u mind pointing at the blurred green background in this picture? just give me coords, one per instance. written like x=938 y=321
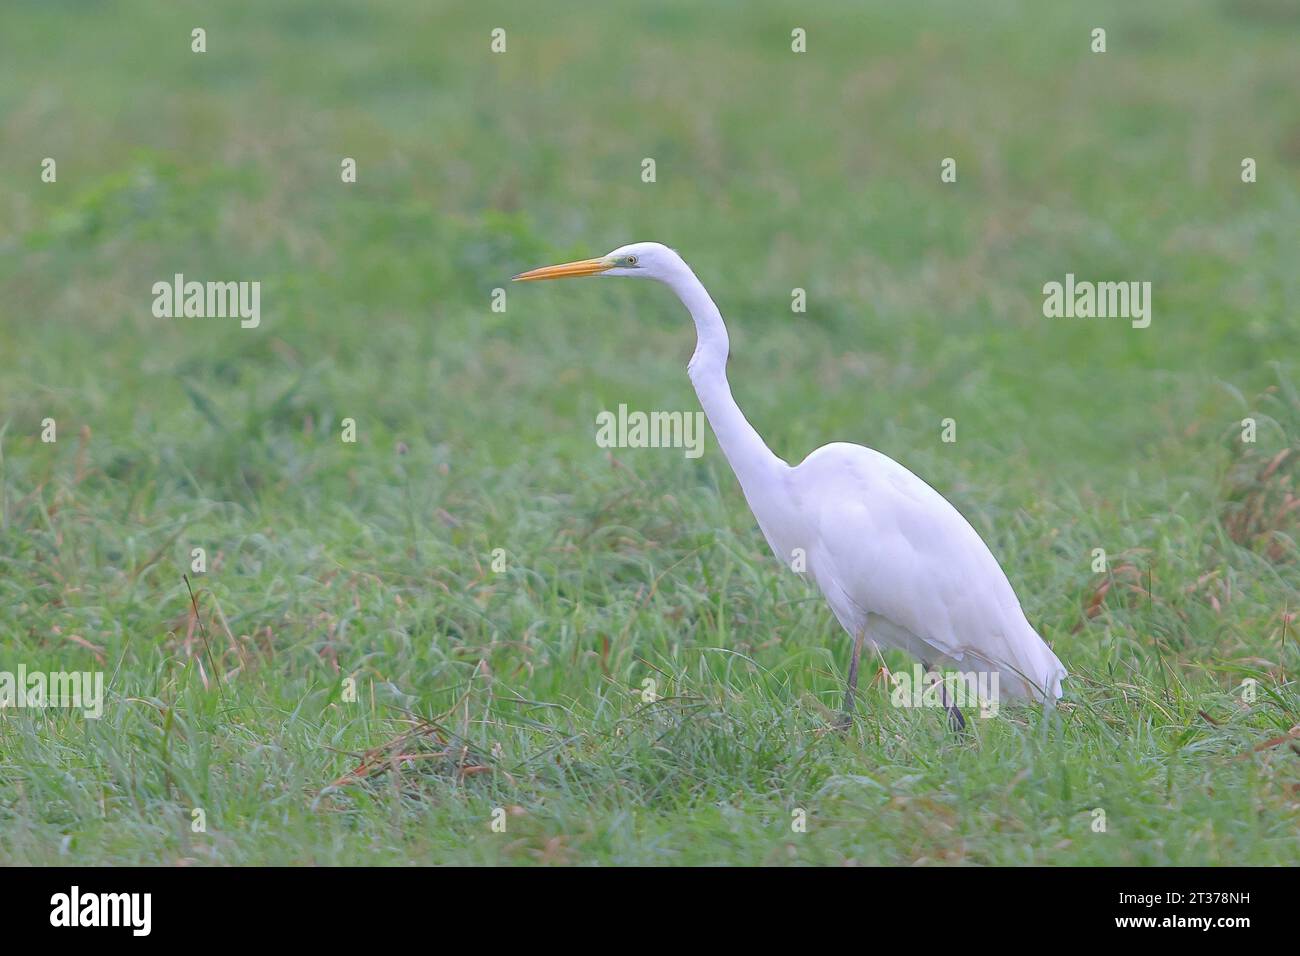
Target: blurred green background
x=775 y=171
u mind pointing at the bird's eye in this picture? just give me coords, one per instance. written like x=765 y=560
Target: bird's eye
x=631 y=260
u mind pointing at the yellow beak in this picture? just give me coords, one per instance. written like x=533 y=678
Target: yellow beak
x=567 y=270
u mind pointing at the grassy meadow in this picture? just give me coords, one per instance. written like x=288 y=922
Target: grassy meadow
x=407 y=644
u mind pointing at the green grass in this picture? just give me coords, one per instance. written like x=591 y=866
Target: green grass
x=476 y=429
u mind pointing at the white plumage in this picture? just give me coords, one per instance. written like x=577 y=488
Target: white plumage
x=897 y=563
x=892 y=556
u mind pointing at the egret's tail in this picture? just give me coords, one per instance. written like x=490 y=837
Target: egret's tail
x=1039 y=672
x=1029 y=669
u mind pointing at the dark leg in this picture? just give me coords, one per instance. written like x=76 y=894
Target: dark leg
x=846 y=719
x=955 y=719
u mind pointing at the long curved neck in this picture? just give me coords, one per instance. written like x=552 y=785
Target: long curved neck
x=746 y=452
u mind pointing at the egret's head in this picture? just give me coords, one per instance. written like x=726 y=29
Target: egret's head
x=640 y=260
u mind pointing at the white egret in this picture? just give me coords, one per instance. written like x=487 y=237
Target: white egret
x=897 y=563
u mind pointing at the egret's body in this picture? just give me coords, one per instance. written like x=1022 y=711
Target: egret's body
x=897 y=563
